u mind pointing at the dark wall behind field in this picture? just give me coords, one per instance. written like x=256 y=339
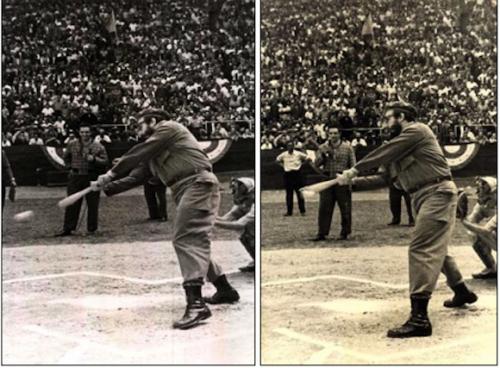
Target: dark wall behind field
x=32 y=167
x=484 y=163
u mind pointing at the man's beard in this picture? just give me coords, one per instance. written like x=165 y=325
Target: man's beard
x=146 y=132
x=394 y=131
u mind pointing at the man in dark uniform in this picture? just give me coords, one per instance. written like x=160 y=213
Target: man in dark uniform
x=333 y=157
x=417 y=164
x=155 y=193
x=8 y=180
x=395 y=195
x=172 y=154
x=85 y=160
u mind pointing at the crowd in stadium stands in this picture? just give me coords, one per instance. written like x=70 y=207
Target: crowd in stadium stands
x=195 y=59
x=340 y=62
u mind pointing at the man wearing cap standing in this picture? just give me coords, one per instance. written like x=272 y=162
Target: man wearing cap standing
x=172 y=154
x=417 y=164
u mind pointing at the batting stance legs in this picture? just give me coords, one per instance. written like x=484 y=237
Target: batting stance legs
x=197 y=201
x=428 y=256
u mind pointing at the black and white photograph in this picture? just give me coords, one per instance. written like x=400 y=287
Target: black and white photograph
x=128 y=182
x=378 y=182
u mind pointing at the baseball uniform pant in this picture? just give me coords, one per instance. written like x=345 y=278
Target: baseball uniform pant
x=197 y=203
x=428 y=252
x=156 y=199
x=293 y=183
x=248 y=241
x=327 y=200
x=72 y=213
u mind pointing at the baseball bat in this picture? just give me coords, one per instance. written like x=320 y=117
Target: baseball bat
x=69 y=200
x=319 y=187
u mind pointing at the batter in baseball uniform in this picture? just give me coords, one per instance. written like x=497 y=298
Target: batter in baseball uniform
x=417 y=165
x=172 y=154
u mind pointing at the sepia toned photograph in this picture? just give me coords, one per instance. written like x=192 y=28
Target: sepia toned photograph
x=378 y=178
x=128 y=186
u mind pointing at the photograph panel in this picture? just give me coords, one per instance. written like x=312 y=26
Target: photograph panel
x=128 y=181
x=378 y=174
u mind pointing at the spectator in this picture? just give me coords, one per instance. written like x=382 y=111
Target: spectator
x=358 y=141
x=102 y=137
x=36 y=140
x=266 y=144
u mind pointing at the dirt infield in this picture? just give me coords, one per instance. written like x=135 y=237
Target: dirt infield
x=332 y=302
x=115 y=303
x=334 y=306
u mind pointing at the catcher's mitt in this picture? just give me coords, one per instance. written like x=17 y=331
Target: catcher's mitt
x=462 y=205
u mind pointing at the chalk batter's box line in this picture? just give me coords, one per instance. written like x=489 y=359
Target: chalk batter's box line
x=133 y=280
x=83 y=344
x=328 y=348
x=340 y=277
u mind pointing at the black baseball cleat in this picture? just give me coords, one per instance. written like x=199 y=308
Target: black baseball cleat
x=195 y=313
x=462 y=296
x=459 y=300
x=319 y=238
x=343 y=237
x=248 y=268
x=416 y=326
x=63 y=233
x=485 y=274
x=393 y=223
x=227 y=296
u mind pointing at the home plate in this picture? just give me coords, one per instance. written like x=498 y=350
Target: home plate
x=113 y=302
x=353 y=306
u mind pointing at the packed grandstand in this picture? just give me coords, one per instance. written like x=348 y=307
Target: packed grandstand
x=338 y=62
x=61 y=59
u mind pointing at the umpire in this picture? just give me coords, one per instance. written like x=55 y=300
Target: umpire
x=417 y=164
x=86 y=160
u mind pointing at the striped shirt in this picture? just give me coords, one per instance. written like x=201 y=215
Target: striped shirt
x=335 y=159
x=76 y=155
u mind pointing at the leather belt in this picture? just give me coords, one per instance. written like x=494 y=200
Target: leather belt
x=185 y=175
x=429 y=182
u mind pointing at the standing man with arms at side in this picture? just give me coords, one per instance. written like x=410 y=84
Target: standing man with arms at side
x=417 y=164
x=7 y=180
x=85 y=159
x=173 y=154
x=333 y=157
x=291 y=160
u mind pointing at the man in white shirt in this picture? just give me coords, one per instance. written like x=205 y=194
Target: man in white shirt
x=291 y=161
x=358 y=140
x=102 y=137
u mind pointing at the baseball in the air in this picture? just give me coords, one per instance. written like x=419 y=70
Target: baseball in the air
x=24 y=216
